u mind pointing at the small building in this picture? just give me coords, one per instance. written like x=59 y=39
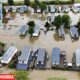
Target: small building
x=55 y=57
x=23 y=59
x=61 y=32
x=23 y=9
x=9 y=54
x=36 y=30
x=74 y=33
x=23 y=30
x=41 y=58
x=52 y=8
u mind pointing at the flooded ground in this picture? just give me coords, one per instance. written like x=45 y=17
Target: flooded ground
x=48 y=40
x=44 y=75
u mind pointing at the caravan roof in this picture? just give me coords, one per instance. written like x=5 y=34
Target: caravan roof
x=25 y=54
x=56 y=56
x=78 y=57
x=41 y=54
x=6 y=58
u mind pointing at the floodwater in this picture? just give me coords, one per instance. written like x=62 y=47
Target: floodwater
x=44 y=75
x=48 y=41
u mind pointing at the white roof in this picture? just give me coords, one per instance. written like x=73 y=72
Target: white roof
x=78 y=57
x=6 y=58
x=77 y=4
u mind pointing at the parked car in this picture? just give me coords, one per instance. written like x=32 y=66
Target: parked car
x=74 y=9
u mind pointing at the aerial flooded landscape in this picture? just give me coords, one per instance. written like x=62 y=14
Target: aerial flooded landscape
x=40 y=39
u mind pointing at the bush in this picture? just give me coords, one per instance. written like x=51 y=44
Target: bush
x=11 y=65
x=21 y=75
x=2 y=44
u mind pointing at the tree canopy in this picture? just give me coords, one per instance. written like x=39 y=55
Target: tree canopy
x=31 y=27
x=4 y=12
x=58 y=21
x=66 y=20
x=27 y=2
x=42 y=6
x=10 y=2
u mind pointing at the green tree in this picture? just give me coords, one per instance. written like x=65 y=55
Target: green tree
x=21 y=75
x=66 y=20
x=31 y=27
x=58 y=21
x=43 y=6
x=34 y=5
x=31 y=30
x=10 y=2
x=27 y=2
x=47 y=25
x=31 y=23
x=4 y=12
x=11 y=65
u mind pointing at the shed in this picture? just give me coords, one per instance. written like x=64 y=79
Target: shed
x=41 y=58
